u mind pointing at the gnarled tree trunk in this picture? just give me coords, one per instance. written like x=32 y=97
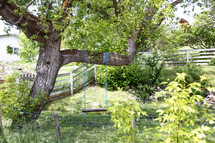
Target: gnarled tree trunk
x=49 y=63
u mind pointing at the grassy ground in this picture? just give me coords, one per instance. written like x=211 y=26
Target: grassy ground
x=93 y=128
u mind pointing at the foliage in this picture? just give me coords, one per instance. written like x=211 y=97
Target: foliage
x=30 y=48
x=144 y=91
x=122 y=114
x=121 y=77
x=130 y=76
x=212 y=62
x=9 y=50
x=15 y=94
x=193 y=72
x=179 y=119
x=199 y=35
x=154 y=68
x=153 y=75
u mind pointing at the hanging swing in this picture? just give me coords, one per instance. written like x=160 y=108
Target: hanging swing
x=94 y=109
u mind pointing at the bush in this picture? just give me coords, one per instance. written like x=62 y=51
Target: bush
x=122 y=77
x=154 y=69
x=192 y=71
x=181 y=116
x=144 y=91
x=14 y=97
x=122 y=114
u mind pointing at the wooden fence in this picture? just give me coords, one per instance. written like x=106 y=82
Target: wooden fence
x=68 y=83
x=197 y=56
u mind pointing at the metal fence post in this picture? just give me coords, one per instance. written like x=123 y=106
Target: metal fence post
x=71 y=83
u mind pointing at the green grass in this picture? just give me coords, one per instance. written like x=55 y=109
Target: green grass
x=95 y=98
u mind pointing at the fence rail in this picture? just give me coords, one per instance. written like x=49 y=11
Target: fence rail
x=197 y=56
x=67 y=83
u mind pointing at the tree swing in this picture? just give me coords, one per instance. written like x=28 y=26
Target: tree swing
x=94 y=109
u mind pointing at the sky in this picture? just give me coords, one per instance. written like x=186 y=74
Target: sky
x=179 y=13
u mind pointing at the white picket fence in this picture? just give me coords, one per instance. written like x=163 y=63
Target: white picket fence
x=197 y=56
x=68 y=83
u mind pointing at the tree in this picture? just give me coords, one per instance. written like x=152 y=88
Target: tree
x=198 y=35
x=90 y=27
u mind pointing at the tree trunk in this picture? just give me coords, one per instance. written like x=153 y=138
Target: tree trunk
x=48 y=65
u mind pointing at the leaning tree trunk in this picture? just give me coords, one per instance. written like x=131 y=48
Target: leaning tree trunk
x=48 y=65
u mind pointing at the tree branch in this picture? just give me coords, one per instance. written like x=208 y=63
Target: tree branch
x=20 y=18
x=113 y=59
x=29 y=22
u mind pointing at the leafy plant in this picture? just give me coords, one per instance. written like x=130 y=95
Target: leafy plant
x=14 y=96
x=121 y=77
x=144 y=92
x=179 y=119
x=122 y=114
x=193 y=72
x=9 y=50
x=154 y=68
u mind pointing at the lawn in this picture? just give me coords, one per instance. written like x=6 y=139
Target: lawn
x=93 y=128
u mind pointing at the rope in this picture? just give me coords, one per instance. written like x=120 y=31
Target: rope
x=106 y=82
x=85 y=106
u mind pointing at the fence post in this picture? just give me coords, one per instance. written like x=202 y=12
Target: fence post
x=1 y=125
x=187 y=56
x=57 y=126
x=95 y=70
x=71 y=82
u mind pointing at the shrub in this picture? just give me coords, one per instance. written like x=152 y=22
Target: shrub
x=154 y=69
x=121 y=77
x=122 y=114
x=15 y=100
x=192 y=71
x=144 y=92
x=181 y=116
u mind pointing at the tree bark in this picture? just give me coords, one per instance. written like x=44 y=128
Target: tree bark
x=49 y=63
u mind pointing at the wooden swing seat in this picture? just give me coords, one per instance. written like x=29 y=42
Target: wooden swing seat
x=94 y=110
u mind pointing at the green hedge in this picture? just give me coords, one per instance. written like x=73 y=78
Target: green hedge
x=128 y=76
